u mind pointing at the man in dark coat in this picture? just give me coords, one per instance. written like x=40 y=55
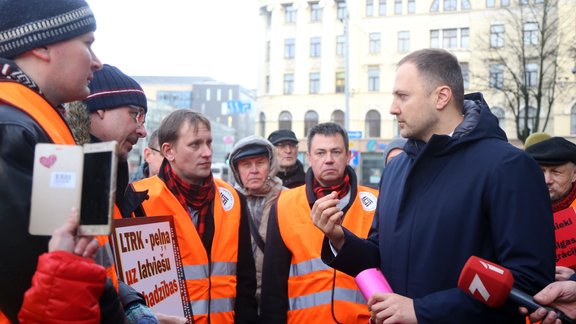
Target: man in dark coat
x=459 y=190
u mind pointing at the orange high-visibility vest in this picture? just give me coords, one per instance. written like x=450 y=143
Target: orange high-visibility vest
x=105 y=254
x=34 y=105
x=47 y=117
x=210 y=279
x=313 y=292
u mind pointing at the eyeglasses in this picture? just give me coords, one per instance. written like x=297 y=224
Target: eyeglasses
x=138 y=114
x=154 y=149
x=283 y=145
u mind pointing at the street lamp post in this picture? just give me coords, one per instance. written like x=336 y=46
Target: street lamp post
x=347 y=67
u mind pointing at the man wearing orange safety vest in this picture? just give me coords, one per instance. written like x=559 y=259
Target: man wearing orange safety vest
x=297 y=287
x=210 y=219
x=45 y=60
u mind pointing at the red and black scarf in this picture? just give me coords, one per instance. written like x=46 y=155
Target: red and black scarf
x=566 y=201
x=197 y=197
x=342 y=189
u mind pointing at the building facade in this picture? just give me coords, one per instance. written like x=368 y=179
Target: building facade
x=323 y=59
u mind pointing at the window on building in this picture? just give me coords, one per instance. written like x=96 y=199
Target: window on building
x=496 y=76
x=315 y=47
x=374 y=43
x=262 y=124
x=289 y=13
x=403 y=41
x=314 y=82
x=500 y=114
x=373 y=78
x=369 y=8
x=450 y=5
x=523 y=2
x=341 y=10
x=310 y=120
x=218 y=94
x=315 y=12
x=340 y=81
x=285 y=120
x=338 y=117
x=288 y=83
x=340 y=45
x=465 y=4
x=530 y=33
x=411 y=6
x=496 y=36
x=435 y=6
x=397 y=7
x=490 y=3
x=531 y=75
x=382 y=8
x=289 y=48
x=372 y=123
x=178 y=99
x=450 y=38
x=435 y=38
x=573 y=120
x=464 y=38
x=465 y=74
x=504 y=3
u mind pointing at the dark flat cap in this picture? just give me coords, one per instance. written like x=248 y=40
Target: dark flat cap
x=553 y=151
x=282 y=135
x=249 y=151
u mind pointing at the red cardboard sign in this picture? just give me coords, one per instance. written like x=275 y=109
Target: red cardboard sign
x=565 y=229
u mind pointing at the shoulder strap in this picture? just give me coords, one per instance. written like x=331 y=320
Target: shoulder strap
x=38 y=109
x=255 y=234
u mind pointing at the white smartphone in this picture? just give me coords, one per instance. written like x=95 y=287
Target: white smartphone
x=56 y=186
x=98 y=188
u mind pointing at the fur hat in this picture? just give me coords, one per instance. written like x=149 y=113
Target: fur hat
x=553 y=151
x=111 y=89
x=29 y=24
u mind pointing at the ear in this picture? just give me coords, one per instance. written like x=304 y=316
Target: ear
x=167 y=151
x=349 y=157
x=100 y=113
x=42 y=53
x=443 y=97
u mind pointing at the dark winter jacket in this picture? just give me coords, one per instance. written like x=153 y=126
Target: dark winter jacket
x=453 y=197
x=294 y=177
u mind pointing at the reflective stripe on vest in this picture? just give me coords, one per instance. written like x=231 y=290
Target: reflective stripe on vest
x=194 y=272
x=325 y=297
x=217 y=305
x=308 y=266
x=34 y=105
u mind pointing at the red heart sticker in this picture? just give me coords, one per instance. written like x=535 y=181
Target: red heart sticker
x=48 y=161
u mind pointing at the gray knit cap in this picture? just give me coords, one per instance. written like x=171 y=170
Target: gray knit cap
x=29 y=24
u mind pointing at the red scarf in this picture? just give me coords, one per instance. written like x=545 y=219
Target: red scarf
x=342 y=188
x=566 y=201
x=197 y=197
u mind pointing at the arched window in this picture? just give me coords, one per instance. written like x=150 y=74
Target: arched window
x=338 y=117
x=531 y=117
x=310 y=120
x=573 y=120
x=372 y=123
x=262 y=125
x=285 y=120
x=500 y=114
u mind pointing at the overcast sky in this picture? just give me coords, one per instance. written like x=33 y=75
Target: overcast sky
x=213 y=38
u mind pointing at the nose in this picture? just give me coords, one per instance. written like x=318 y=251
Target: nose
x=206 y=151
x=141 y=131
x=96 y=64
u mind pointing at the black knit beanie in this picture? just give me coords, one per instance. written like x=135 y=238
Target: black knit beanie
x=111 y=89
x=29 y=24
